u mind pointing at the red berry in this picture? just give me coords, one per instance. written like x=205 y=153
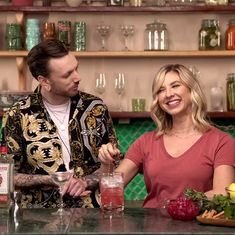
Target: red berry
x=182 y=208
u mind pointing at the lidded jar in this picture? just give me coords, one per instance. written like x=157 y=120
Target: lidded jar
x=156 y=37
x=210 y=35
x=230 y=91
x=230 y=35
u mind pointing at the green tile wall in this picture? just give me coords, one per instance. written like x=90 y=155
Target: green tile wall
x=127 y=133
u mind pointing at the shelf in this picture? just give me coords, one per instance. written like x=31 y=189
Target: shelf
x=126 y=115
x=133 y=115
x=127 y=9
x=136 y=54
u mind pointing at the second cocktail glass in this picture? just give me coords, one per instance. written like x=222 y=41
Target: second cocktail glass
x=104 y=31
x=126 y=31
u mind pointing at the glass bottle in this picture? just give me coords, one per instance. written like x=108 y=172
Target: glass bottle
x=230 y=36
x=6 y=179
x=230 y=92
x=210 y=35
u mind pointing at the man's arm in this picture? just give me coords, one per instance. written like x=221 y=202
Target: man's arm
x=26 y=180
x=92 y=180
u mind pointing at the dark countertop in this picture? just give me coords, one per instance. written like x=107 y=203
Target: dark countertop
x=93 y=221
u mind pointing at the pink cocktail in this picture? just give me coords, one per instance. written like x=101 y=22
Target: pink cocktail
x=112 y=192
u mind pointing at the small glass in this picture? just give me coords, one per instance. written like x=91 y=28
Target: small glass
x=112 y=191
x=138 y=105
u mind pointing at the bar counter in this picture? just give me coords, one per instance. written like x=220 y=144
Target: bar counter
x=93 y=221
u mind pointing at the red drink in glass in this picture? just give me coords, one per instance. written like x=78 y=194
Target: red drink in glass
x=112 y=192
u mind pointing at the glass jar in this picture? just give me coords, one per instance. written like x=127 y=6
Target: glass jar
x=210 y=35
x=79 y=38
x=13 y=37
x=156 y=37
x=64 y=32
x=217 y=98
x=48 y=31
x=33 y=34
x=230 y=92
x=230 y=36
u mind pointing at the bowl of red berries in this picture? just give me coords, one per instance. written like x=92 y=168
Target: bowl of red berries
x=182 y=208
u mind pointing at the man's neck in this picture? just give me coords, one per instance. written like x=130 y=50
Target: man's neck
x=54 y=99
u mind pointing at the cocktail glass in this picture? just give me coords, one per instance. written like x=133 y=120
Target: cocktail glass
x=104 y=31
x=60 y=178
x=126 y=31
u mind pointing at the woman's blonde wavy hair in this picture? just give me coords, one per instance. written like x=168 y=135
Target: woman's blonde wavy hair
x=164 y=120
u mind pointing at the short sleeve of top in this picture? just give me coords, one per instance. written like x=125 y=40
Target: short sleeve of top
x=162 y=171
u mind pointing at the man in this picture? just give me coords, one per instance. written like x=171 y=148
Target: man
x=56 y=128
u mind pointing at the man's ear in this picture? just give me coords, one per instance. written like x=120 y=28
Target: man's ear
x=44 y=82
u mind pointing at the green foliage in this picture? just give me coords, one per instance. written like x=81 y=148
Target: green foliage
x=219 y=202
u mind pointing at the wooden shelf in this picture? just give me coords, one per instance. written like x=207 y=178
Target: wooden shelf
x=125 y=115
x=136 y=54
x=133 y=115
x=127 y=9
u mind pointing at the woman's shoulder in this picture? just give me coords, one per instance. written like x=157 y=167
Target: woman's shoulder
x=149 y=135
x=218 y=133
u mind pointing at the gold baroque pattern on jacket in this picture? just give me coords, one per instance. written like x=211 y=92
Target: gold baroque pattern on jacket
x=34 y=140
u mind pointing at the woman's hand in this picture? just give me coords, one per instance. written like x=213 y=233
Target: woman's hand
x=76 y=187
x=108 y=153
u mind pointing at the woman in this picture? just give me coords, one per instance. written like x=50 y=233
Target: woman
x=185 y=151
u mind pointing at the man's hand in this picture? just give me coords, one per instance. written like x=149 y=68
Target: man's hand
x=76 y=187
